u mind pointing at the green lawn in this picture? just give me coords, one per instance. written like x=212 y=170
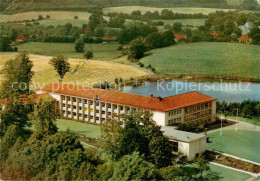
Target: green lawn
x=79 y=128
x=192 y=22
x=206 y=59
x=244 y=144
x=104 y=51
x=228 y=174
x=254 y=121
x=56 y=22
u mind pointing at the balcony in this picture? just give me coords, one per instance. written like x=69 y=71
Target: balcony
x=63 y=101
x=74 y=103
x=69 y=102
x=69 y=109
x=80 y=104
x=109 y=110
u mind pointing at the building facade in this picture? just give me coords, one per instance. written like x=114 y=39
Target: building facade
x=96 y=105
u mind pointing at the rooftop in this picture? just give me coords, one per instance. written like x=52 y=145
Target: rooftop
x=26 y=99
x=173 y=134
x=144 y=102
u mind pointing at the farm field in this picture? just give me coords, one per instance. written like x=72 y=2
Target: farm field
x=92 y=71
x=192 y=22
x=228 y=174
x=206 y=59
x=56 y=22
x=79 y=128
x=101 y=51
x=143 y=9
x=241 y=143
x=235 y=2
x=54 y=15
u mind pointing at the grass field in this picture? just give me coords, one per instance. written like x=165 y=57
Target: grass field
x=206 y=59
x=56 y=22
x=79 y=128
x=243 y=144
x=254 y=121
x=228 y=174
x=90 y=72
x=56 y=15
x=143 y=9
x=193 y=22
x=235 y=2
x=101 y=51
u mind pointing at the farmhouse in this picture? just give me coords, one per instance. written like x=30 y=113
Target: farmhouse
x=20 y=39
x=185 y=143
x=179 y=37
x=214 y=34
x=98 y=105
x=106 y=37
x=245 y=39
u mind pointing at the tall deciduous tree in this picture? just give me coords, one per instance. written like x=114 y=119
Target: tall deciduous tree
x=17 y=76
x=137 y=49
x=45 y=116
x=61 y=65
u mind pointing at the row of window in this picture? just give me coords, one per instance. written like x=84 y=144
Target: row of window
x=174 y=112
x=198 y=115
x=175 y=120
x=198 y=107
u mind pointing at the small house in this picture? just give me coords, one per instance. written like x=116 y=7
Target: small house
x=245 y=39
x=214 y=34
x=20 y=39
x=179 y=37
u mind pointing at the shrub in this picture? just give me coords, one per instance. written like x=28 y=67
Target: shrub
x=120 y=48
x=76 y=17
x=88 y=54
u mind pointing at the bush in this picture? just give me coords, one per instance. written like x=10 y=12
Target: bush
x=76 y=17
x=88 y=54
x=120 y=48
x=48 y=16
x=15 y=49
x=79 y=45
x=98 y=40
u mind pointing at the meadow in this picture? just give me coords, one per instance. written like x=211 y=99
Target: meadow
x=54 y=15
x=192 y=22
x=254 y=120
x=241 y=143
x=105 y=51
x=82 y=71
x=206 y=59
x=79 y=128
x=143 y=9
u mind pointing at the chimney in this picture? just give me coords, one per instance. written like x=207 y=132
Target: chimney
x=150 y=95
x=160 y=99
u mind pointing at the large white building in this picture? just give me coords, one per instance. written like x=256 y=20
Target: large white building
x=98 y=105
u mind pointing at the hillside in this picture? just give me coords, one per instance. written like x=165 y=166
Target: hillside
x=206 y=59
x=10 y=6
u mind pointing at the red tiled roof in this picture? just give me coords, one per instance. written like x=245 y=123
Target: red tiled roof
x=25 y=100
x=110 y=37
x=21 y=38
x=180 y=36
x=214 y=34
x=244 y=38
x=144 y=102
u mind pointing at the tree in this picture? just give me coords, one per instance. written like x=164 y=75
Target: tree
x=5 y=44
x=95 y=19
x=76 y=17
x=116 y=21
x=40 y=17
x=15 y=113
x=45 y=113
x=168 y=38
x=177 y=27
x=88 y=54
x=133 y=167
x=61 y=65
x=137 y=49
x=17 y=76
x=255 y=35
x=79 y=45
x=48 y=16
x=139 y=134
x=203 y=166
